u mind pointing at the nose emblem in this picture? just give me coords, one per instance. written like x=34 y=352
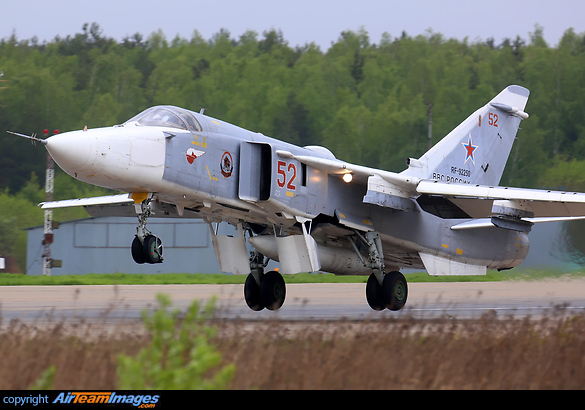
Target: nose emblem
x=193 y=154
x=227 y=164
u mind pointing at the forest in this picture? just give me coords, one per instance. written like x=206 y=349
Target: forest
x=367 y=101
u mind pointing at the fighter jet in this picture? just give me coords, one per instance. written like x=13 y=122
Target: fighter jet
x=308 y=210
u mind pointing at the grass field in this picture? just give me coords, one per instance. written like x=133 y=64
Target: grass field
x=8 y=279
x=489 y=353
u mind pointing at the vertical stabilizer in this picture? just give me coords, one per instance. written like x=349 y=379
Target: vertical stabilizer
x=477 y=150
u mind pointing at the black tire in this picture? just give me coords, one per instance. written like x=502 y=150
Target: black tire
x=137 y=252
x=252 y=294
x=374 y=293
x=152 y=248
x=273 y=290
x=394 y=290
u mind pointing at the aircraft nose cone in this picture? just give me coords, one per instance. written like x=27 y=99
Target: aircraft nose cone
x=72 y=151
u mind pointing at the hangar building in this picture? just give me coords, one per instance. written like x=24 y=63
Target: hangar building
x=102 y=245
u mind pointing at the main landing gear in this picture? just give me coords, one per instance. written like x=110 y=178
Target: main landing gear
x=383 y=290
x=391 y=293
x=146 y=247
x=263 y=290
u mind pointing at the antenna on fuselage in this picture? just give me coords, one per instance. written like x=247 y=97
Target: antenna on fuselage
x=202 y=110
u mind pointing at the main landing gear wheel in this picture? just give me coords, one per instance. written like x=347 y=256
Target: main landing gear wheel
x=392 y=294
x=374 y=293
x=270 y=294
x=149 y=251
x=252 y=294
x=394 y=290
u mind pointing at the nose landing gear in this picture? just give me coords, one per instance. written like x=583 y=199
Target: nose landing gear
x=146 y=247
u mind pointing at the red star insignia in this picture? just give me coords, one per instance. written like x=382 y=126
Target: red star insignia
x=469 y=150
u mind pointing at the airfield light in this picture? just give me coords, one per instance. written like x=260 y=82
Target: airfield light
x=347 y=178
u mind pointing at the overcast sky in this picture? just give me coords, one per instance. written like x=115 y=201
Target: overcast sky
x=301 y=21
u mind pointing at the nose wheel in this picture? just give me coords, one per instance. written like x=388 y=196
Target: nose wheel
x=148 y=251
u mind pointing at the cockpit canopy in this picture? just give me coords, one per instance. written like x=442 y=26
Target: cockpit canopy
x=167 y=116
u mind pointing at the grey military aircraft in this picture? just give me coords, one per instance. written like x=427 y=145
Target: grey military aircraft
x=308 y=210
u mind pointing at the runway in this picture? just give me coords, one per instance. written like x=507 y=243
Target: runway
x=316 y=302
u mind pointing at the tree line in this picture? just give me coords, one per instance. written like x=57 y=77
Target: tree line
x=368 y=102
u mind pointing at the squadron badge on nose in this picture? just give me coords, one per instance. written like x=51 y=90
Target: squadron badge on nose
x=227 y=164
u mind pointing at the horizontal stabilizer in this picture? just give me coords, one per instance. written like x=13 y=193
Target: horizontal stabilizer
x=497 y=192
x=539 y=202
x=438 y=266
x=488 y=222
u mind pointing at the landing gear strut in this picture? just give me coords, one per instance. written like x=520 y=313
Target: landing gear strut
x=146 y=247
x=263 y=290
x=383 y=290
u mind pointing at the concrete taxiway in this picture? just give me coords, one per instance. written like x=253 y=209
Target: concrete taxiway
x=315 y=301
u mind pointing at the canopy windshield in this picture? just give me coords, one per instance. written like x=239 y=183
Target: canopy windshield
x=172 y=117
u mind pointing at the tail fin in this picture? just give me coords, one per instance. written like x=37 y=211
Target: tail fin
x=477 y=150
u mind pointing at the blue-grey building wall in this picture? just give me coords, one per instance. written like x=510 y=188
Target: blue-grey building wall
x=102 y=245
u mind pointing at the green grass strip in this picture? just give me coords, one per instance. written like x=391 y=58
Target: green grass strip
x=8 y=279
